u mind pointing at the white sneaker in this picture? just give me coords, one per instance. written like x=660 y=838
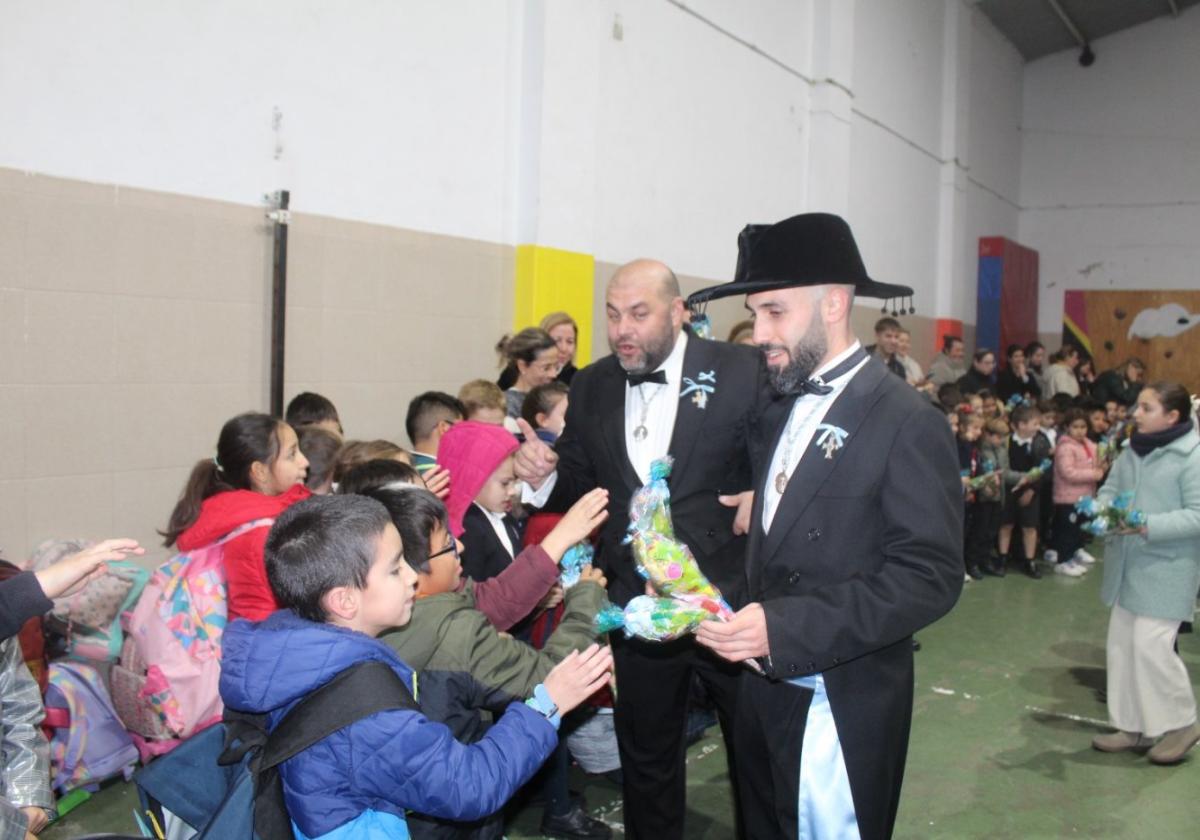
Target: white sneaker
x=1051 y=556
x=967 y=579
x=1083 y=558
x=1070 y=569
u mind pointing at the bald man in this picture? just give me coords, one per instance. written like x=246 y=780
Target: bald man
x=662 y=391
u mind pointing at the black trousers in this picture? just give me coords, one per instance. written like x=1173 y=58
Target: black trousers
x=982 y=525
x=653 y=679
x=1068 y=537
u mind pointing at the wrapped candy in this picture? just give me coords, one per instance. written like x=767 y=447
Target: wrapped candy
x=1014 y=401
x=1107 y=519
x=573 y=561
x=980 y=480
x=650 y=507
x=653 y=619
x=666 y=562
x=1035 y=474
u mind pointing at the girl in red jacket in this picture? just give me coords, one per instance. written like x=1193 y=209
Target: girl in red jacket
x=258 y=472
x=1076 y=474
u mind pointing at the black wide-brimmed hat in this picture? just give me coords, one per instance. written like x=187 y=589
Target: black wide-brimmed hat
x=812 y=249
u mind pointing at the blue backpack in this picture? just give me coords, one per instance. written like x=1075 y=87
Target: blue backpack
x=224 y=781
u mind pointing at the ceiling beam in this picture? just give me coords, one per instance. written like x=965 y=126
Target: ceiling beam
x=1067 y=22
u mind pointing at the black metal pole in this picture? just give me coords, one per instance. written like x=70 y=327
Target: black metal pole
x=279 y=302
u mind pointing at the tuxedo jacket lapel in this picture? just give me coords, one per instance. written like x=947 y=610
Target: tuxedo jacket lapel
x=611 y=403
x=847 y=412
x=770 y=429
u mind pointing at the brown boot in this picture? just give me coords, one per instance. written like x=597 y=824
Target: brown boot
x=1173 y=746
x=1121 y=742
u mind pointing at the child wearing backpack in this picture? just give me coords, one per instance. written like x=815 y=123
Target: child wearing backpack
x=467 y=667
x=258 y=473
x=336 y=566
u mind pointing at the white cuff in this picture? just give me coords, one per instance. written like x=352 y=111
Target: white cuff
x=538 y=498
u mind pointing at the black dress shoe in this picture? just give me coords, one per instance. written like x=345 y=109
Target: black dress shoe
x=1031 y=569
x=575 y=825
x=916 y=646
x=975 y=572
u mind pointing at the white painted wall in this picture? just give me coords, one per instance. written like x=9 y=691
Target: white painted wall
x=620 y=128
x=1110 y=176
x=394 y=113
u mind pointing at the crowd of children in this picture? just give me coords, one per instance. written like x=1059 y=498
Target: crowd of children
x=334 y=553
x=1025 y=464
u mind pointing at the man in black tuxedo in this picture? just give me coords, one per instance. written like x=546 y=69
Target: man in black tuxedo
x=663 y=391
x=855 y=544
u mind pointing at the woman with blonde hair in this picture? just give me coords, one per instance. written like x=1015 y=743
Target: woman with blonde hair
x=562 y=328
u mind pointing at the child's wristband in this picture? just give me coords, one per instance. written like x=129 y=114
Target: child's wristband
x=541 y=703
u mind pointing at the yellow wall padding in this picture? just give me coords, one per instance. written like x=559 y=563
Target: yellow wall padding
x=551 y=280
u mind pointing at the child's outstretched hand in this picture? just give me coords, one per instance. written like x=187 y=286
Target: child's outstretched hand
x=584 y=517
x=593 y=574
x=553 y=598
x=437 y=482
x=69 y=575
x=578 y=677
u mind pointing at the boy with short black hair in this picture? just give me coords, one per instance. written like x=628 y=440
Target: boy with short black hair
x=336 y=567
x=1024 y=509
x=467 y=667
x=309 y=409
x=430 y=415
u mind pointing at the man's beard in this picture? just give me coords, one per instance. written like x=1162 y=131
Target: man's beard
x=802 y=359
x=653 y=354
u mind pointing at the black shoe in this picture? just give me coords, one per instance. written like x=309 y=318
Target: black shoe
x=915 y=644
x=1000 y=566
x=1031 y=569
x=975 y=572
x=575 y=825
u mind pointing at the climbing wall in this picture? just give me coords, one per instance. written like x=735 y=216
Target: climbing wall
x=1162 y=328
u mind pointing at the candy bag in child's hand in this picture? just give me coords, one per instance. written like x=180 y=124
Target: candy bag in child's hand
x=573 y=561
x=650 y=507
x=653 y=619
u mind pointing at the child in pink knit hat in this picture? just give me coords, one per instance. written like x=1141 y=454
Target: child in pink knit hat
x=480 y=457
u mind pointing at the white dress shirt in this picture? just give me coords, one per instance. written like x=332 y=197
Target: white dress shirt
x=658 y=404
x=808 y=412
x=661 y=406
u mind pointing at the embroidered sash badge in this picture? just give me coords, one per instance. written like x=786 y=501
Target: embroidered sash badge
x=830 y=439
x=699 y=389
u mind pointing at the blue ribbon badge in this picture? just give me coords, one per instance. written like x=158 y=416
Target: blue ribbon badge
x=831 y=439
x=698 y=389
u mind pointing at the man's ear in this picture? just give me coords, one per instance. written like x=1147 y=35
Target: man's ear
x=677 y=312
x=835 y=305
x=341 y=602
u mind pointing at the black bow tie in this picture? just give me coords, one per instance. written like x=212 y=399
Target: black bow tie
x=822 y=388
x=658 y=377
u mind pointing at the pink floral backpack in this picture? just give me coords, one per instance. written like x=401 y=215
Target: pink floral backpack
x=165 y=686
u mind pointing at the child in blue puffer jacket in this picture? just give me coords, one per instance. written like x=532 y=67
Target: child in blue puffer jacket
x=335 y=565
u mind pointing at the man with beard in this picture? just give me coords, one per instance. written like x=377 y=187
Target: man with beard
x=855 y=544
x=662 y=391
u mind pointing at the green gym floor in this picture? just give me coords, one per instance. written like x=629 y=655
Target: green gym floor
x=1006 y=707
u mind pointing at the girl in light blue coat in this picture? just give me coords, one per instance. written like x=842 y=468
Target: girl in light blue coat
x=1151 y=575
